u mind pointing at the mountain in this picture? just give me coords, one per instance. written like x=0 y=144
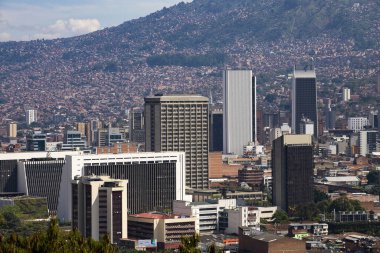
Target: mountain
x=183 y=49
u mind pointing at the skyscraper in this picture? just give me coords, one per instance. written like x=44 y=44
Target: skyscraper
x=180 y=123
x=216 y=129
x=12 y=129
x=136 y=125
x=304 y=97
x=30 y=116
x=292 y=169
x=239 y=110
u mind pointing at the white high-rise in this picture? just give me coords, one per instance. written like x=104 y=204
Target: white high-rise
x=239 y=108
x=346 y=94
x=31 y=116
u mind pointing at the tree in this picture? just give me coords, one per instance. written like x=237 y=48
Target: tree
x=280 y=216
x=319 y=196
x=373 y=177
x=190 y=244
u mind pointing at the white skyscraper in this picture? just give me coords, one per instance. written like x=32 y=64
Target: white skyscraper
x=239 y=107
x=346 y=94
x=31 y=116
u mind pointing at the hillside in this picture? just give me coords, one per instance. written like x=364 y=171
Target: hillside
x=183 y=49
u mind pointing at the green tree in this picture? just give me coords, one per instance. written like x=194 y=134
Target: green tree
x=280 y=216
x=190 y=244
x=373 y=177
x=319 y=196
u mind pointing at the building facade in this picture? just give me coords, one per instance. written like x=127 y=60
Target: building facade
x=180 y=123
x=136 y=125
x=357 y=123
x=12 y=129
x=99 y=207
x=292 y=169
x=216 y=130
x=304 y=97
x=154 y=179
x=239 y=110
x=30 y=116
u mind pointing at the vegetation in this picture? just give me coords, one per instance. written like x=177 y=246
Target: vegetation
x=280 y=216
x=54 y=240
x=373 y=177
x=372 y=228
x=190 y=244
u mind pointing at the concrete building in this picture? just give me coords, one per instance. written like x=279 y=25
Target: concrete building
x=136 y=125
x=346 y=94
x=73 y=140
x=216 y=130
x=307 y=229
x=36 y=142
x=99 y=207
x=304 y=97
x=357 y=123
x=155 y=179
x=12 y=129
x=239 y=110
x=34 y=174
x=30 y=116
x=180 y=123
x=367 y=142
x=206 y=213
x=254 y=177
x=307 y=126
x=81 y=127
x=166 y=229
x=91 y=129
x=251 y=241
x=292 y=169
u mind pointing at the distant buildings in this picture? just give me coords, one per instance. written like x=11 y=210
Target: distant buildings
x=367 y=142
x=36 y=142
x=346 y=94
x=216 y=130
x=239 y=110
x=180 y=123
x=357 y=123
x=73 y=140
x=292 y=170
x=136 y=125
x=99 y=207
x=304 y=97
x=30 y=116
x=12 y=129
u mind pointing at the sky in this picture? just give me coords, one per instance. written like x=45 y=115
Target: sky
x=23 y=20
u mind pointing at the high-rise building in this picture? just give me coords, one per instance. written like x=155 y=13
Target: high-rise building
x=30 y=116
x=307 y=126
x=330 y=117
x=99 y=207
x=154 y=179
x=81 y=127
x=346 y=94
x=91 y=129
x=292 y=169
x=216 y=129
x=367 y=142
x=136 y=125
x=378 y=83
x=239 y=110
x=304 y=97
x=12 y=129
x=180 y=123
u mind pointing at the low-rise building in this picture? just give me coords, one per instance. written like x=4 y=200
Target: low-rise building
x=166 y=229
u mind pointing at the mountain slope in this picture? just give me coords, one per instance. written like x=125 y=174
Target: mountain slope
x=183 y=49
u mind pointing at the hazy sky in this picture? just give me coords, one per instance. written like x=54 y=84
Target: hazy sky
x=48 y=19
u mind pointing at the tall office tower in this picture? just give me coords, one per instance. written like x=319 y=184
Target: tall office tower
x=292 y=169
x=91 y=128
x=99 y=207
x=81 y=127
x=373 y=119
x=304 y=97
x=346 y=94
x=101 y=137
x=180 y=123
x=260 y=134
x=136 y=125
x=12 y=129
x=378 y=83
x=330 y=117
x=73 y=140
x=367 y=142
x=239 y=108
x=216 y=129
x=30 y=116
x=154 y=179
x=114 y=136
